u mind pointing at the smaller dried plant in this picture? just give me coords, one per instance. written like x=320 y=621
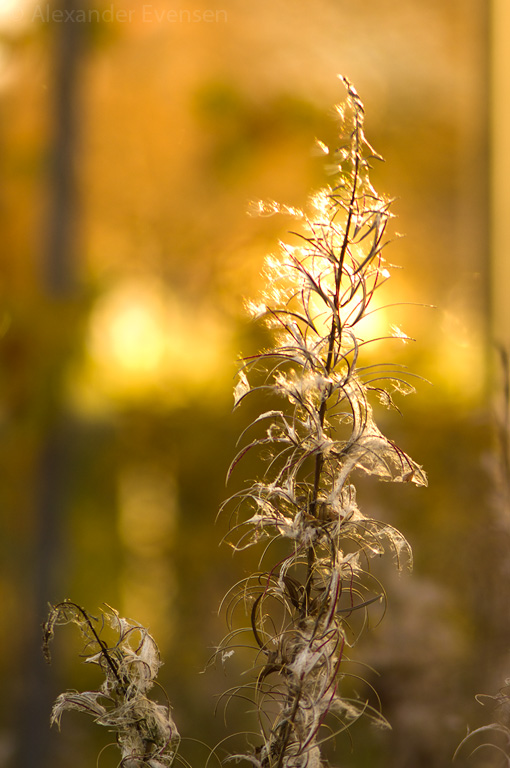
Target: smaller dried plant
x=493 y=738
x=146 y=734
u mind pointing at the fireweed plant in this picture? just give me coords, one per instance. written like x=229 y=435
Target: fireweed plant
x=494 y=738
x=301 y=611
x=304 y=613
x=146 y=734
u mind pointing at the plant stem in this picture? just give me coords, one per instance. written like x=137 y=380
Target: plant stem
x=335 y=327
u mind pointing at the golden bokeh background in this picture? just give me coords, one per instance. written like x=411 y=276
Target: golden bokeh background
x=133 y=138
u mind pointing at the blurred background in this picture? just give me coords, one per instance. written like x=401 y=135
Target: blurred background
x=132 y=138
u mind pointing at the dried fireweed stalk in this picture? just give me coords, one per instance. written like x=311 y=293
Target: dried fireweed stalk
x=146 y=733
x=493 y=738
x=303 y=609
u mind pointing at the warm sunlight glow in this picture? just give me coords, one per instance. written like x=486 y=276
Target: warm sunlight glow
x=128 y=332
x=136 y=338
x=15 y=13
x=144 y=342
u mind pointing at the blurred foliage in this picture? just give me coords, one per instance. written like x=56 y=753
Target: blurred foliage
x=116 y=397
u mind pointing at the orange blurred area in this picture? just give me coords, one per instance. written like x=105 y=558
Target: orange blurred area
x=133 y=138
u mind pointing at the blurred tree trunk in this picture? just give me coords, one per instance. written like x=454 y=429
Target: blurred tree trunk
x=59 y=295
x=60 y=261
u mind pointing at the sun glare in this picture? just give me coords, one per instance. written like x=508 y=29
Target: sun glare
x=142 y=341
x=14 y=13
x=136 y=338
